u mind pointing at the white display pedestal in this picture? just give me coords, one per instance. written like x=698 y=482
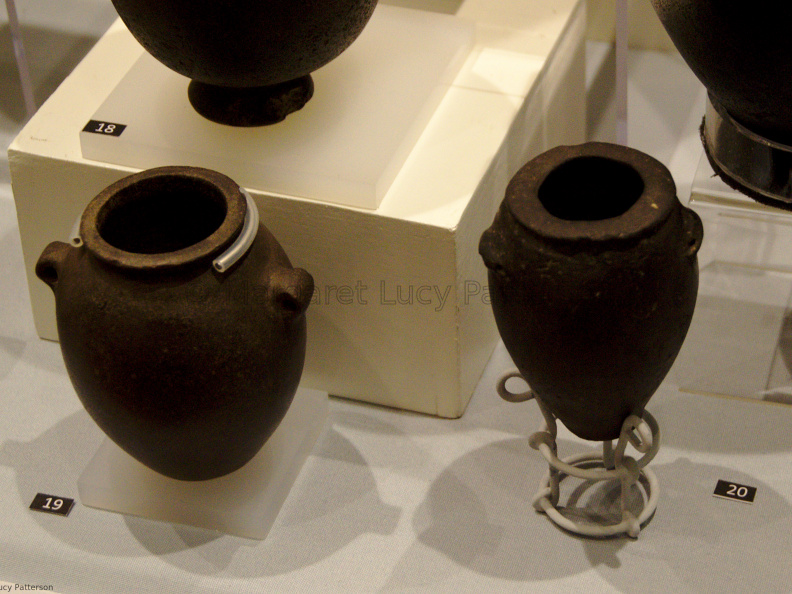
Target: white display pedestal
x=739 y=343
x=401 y=314
x=709 y=191
x=345 y=146
x=243 y=503
x=745 y=232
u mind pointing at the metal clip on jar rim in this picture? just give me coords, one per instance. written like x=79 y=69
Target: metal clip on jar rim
x=245 y=239
x=229 y=257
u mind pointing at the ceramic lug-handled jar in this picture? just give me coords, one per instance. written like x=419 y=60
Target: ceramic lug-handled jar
x=180 y=319
x=249 y=60
x=593 y=277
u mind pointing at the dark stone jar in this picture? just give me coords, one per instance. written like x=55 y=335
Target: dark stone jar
x=742 y=52
x=249 y=60
x=180 y=319
x=593 y=277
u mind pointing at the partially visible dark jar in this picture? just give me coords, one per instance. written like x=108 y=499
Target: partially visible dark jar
x=185 y=358
x=742 y=52
x=593 y=277
x=249 y=60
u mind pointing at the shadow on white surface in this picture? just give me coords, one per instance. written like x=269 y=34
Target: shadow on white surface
x=336 y=498
x=734 y=345
x=331 y=504
x=664 y=95
x=16 y=319
x=52 y=54
x=478 y=515
x=600 y=91
x=50 y=463
x=11 y=350
x=700 y=543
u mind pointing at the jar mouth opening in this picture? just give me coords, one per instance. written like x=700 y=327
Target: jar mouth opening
x=591 y=192
x=590 y=188
x=164 y=217
x=161 y=215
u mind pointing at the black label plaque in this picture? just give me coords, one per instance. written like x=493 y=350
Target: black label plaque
x=104 y=128
x=52 y=504
x=735 y=491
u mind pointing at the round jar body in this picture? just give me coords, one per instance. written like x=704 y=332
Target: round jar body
x=188 y=369
x=593 y=278
x=245 y=43
x=742 y=53
x=249 y=60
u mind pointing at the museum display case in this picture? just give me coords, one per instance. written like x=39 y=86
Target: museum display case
x=415 y=473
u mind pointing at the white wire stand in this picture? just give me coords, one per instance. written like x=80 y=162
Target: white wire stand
x=642 y=433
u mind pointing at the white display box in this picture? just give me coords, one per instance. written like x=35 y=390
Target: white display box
x=401 y=316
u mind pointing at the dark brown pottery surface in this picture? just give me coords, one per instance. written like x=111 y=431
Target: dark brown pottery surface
x=742 y=52
x=593 y=277
x=187 y=369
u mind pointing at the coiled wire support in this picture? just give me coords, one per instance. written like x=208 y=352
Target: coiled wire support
x=642 y=433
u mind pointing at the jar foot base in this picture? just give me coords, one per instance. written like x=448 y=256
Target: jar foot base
x=250 y=106
x=746 y=161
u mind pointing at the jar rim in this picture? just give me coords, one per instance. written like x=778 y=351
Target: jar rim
x=205 y=248
x=652 y=205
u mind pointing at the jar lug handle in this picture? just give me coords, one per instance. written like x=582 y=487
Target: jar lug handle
x=488 y=252
x=292 y=290
x=694 y=230
x=50 y=263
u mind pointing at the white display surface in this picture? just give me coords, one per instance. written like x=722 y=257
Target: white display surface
x=733 y=346
x=243 y=503
x=394 y=501
x=345 y=146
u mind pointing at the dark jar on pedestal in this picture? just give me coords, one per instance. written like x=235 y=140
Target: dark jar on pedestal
x=742 y=53
x=249 y=61
x=593 y=277
x=180 y=319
